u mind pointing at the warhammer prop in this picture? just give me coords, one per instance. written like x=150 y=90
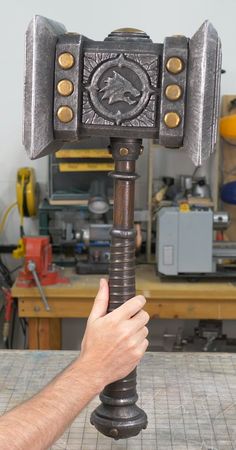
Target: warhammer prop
x=127 y=88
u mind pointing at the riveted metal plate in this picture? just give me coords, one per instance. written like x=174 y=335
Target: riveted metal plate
x=174 y=47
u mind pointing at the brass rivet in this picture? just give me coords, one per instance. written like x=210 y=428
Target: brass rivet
x=66 y=60
x=173 y=92
x=124 y=151
x=128 y=30
x=114 y=433
x=65 y=114
x=172 y=119
x=65 y=87
x=174 y=65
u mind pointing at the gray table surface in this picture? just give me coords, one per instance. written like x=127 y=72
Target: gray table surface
x=190 y=399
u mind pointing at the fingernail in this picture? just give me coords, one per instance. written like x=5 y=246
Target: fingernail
x=142 y=299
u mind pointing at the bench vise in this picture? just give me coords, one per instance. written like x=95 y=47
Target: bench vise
x=38 y=268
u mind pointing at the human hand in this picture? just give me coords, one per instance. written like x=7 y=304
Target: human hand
x=114 y=343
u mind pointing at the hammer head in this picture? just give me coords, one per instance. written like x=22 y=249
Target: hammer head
x=126 y=86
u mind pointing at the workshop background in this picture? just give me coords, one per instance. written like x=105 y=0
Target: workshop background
x=96 y=19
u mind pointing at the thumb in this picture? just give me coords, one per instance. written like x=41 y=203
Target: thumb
x=101 y=301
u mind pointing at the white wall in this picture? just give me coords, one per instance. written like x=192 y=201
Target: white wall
x=94 y=19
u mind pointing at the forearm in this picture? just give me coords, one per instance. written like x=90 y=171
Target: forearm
x=112 y=346
x=41 y=420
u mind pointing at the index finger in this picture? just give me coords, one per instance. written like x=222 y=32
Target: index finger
x=129 y=308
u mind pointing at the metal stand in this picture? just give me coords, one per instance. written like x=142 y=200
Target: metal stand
x=118 y=416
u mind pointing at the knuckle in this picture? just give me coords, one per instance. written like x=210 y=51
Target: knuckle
x=89 y=321
x=146 y=331
x=147 y=317
x=111 y=318
x=144 y=317
x=138 y=353
x=124 y=332
x=131 y=344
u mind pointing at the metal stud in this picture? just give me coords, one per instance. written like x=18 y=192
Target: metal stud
x=65 y=114
x=65 y=87
x=124 y=151
x=174 y=65
x=66 y=60
x=128 y=30
x=172 y=119
x=173 y=92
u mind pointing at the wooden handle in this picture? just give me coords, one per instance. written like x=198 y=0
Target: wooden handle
x=122 y=262
x=118 y=416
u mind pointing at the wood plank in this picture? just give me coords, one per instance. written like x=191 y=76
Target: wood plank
x=33 y=336
x=164 y=308
x=44 y=334
x=83 y=287
x=59 y=308
x=49 y=334
x=188 y=309
x=165 y=299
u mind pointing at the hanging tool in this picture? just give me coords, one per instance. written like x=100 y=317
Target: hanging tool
x=27 y=202
x=26 y=192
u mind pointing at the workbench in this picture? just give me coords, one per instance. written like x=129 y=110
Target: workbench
x=189 y=398
x=212 y=299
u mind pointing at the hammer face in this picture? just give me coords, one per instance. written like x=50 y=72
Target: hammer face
x=203 y=93
x=126 y=87
x=41 y=38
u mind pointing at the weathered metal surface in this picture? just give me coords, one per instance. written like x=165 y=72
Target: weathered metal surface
x=177 y=46
x=41 y=39
x=202 y=93
x=73 y=45
x=119 y=88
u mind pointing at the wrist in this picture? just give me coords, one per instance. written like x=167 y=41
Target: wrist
x=88 y=375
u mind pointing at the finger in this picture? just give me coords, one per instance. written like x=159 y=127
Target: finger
x=142 y=348
x=129 y=308
x=101 y=301
x=139 y=320
x=140 y=336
